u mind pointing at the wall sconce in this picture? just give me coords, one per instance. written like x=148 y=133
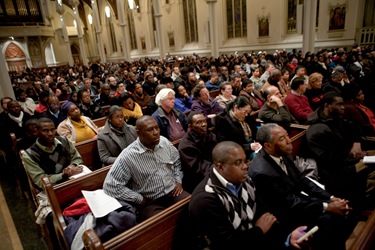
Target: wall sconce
x=107 y=11
x=75 y=23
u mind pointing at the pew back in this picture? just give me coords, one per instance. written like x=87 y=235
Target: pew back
x=89 y=152
x=165 y=230
x=100 y=122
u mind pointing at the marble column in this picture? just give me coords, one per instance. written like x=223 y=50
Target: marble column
x=309 y=20
x=98 y=29
x=60 y=10
x=74 y=4
x=159 y=28
x=213 y=31
x=123 y=24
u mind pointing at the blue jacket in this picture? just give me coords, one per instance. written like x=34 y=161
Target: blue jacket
x=182 y=104
x=160 y=117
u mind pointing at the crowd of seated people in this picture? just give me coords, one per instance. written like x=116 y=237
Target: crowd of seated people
x=157 y=96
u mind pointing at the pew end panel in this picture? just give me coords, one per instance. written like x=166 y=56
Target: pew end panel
x=365 y=239
x=58 y=220
x=62 y=195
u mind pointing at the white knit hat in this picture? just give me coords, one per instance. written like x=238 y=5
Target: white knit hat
x=162 y=95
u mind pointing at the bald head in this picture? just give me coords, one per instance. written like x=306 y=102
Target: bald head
x=142 y=120
x=148 y=131
x=220 y=154
x=112 y=81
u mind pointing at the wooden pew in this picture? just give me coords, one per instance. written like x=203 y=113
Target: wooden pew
x=295 y=129
x=89 y=152
x=158 y=232
x=214 y=93
x=165 y=230
x=100 y=122
x=364 y=239
x=106 y=109
x=62 y=195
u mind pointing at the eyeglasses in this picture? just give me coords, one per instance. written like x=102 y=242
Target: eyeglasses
x=245 y=111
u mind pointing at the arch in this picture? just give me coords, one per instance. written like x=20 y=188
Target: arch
x=16 y=56
x=76 y=54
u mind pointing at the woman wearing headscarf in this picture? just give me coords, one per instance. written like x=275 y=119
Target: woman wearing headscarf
x=76 y=127
x=115 y=136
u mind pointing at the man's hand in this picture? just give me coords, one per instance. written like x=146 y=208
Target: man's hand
x=265 y=222
x=338 y=206
x=296 y=234
x=72 y=170
x=276 y=100
x=356 y=151
x=255 y=146
x=177 y=190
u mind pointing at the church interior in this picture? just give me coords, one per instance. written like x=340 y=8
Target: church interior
x=42 y=34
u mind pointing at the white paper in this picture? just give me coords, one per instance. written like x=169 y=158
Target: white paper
x=100 y=203
x=369 y=159
x=85 y=170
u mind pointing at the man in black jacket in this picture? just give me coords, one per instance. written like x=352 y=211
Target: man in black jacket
x=336 y=146
x=293 y=198
x=225 y=211
x=195 y=151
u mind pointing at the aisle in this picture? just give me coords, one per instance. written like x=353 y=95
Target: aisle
x=18 y=229
x=8 y=234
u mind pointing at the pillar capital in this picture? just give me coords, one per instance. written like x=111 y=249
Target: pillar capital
x=74 y=3
x=211 y=1
x=60 y=8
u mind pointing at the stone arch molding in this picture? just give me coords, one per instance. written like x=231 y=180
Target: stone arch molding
x=25 y=51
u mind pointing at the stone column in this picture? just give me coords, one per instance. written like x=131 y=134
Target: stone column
x=42 y=52
x=60 y=10
x=74 y=4
x=159 y=28
x=309 y=18
x=6 y=85
x=213 y=32
x=98 y=29
x=123 y=24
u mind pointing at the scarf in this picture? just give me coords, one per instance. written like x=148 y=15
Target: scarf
x=18 y=120
x=240 y=210
x=245 y=127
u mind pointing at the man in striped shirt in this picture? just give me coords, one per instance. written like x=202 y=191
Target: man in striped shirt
x=148 y=172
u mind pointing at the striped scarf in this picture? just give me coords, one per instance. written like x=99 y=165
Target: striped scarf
x=240 y=210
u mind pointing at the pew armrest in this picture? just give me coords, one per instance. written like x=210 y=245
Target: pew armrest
x=91 y=240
